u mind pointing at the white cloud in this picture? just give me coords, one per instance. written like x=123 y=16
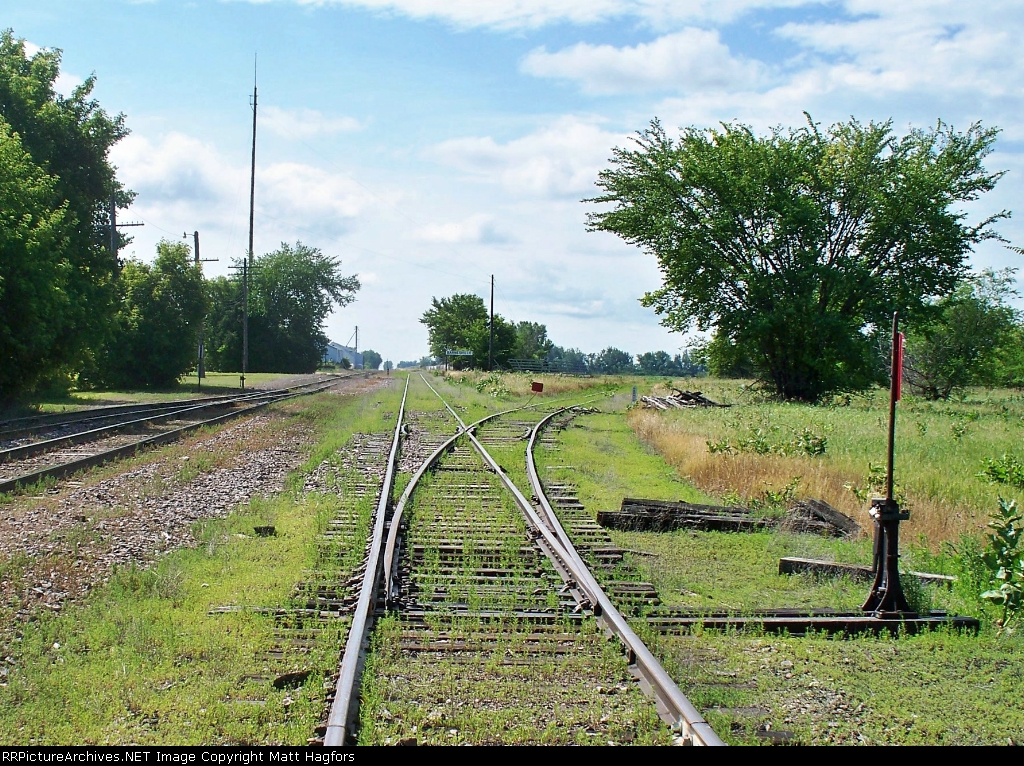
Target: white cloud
x=560 y=159
x=685 y=61
x=477 y=229
x=940 y=48
x=308 y=194
x=178 y=169
x=519 y=14
x=185 y=184
x=304 y=123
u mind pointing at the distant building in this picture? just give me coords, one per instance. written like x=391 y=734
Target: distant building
x=335 y=352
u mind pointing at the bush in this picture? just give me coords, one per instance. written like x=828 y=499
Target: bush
x=1004 y=559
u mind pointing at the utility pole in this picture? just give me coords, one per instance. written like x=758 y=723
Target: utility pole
x=201 y=351
x=246 y=267
x=245 y=320
x=115 y=244
x=490 y=344
x=113 y=226
x=357 y=342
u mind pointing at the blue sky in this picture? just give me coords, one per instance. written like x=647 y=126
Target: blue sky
x=430 y=143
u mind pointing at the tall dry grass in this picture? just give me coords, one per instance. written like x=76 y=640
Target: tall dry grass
x=944 y=504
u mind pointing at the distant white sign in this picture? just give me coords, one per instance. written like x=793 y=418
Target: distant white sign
x=456 y=352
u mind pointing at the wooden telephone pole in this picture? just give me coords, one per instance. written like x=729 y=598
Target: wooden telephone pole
x=200 y=351
x=490 y=342
x=247 y=266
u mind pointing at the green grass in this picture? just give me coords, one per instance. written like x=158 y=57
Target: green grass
x=142 y=661
x=213 y=384
x=500 y=693
x=610 y=463
x=939 y=688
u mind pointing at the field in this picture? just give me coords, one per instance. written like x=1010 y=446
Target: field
x=939 y=688
x=941 y=447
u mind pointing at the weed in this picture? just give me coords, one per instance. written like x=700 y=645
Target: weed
x=919 y=597
x=193 y=465
x=493 y=385
x=766 y=439
x=874 y=483
x=1005 y=470
x=1004 y=557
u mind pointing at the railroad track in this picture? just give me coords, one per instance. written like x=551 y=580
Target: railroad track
x=85 y=440
x=490 y=627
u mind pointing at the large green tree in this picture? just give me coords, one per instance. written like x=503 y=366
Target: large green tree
x=611 y=361
x=974 y=330
x=794 y=246
x=222 y=333
x=371 y=360
x=461 y=323
x=532 y=341
x=35 y=268
x=69 y=139
x=156 y=328
x=291 y=292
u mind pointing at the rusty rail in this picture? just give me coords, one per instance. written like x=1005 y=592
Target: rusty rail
x=673 y=706
x=346 y=698
x=106 y=456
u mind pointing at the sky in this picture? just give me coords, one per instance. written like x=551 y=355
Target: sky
x=429 y=144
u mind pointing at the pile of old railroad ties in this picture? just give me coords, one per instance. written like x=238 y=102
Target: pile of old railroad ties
x=679 y=400
x=56 y=445
x=496 y=615
x=808 y=516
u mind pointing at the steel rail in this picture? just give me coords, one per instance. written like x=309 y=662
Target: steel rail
x=390 y=562
x=91 y=461
x=83 y=437
x=89 y=416
x=675 y=708
x=672 y=704
x=56 y=419
x=346 y=697
x=29 y=423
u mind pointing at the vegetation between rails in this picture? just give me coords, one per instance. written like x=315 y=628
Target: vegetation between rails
x=506 y=683
x=141 y=661
x=930 y=689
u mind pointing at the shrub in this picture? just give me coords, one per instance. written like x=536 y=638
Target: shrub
x=1004 y=559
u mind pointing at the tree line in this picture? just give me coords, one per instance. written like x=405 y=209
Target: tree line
x=461 y=322
x=71 y=312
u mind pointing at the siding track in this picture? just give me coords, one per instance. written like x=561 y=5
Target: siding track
x=491 y=628
x=57 y=456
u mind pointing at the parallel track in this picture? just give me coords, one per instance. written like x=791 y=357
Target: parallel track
x=516 y=579
x=192 y=415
